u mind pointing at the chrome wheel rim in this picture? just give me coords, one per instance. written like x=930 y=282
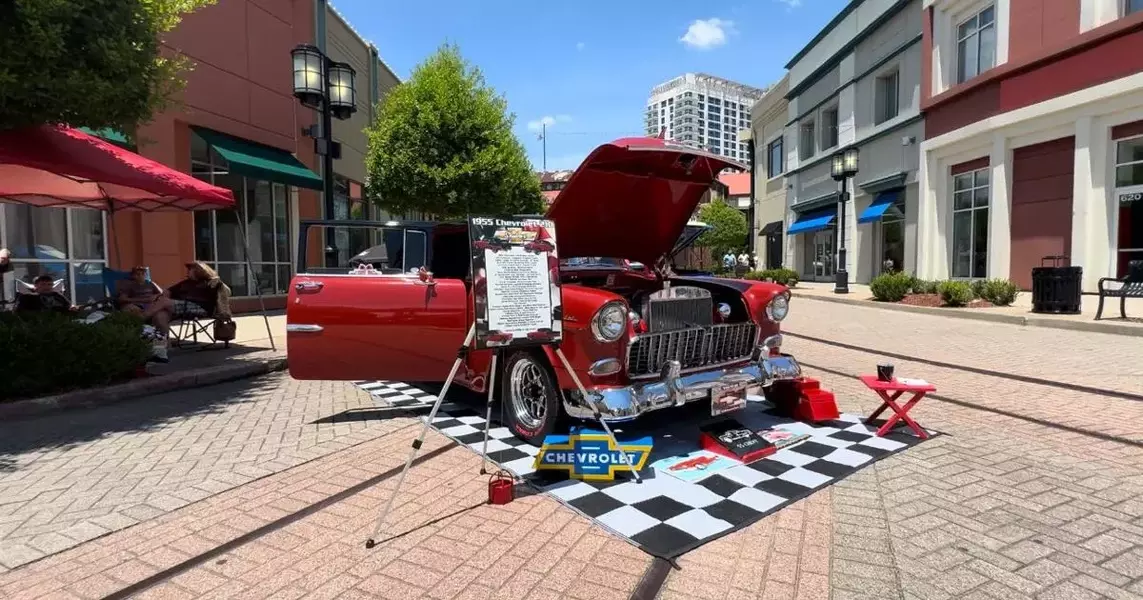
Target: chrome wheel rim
x=528 y=394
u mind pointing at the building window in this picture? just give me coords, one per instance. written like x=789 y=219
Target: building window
x=1129 y=162
x=1132 y=6
x=806 y=141
x=829 y=128
x=264 y=210
x=65 y=243
x=886 y=97
x=976 y=45
x=776 y=158
x=970 y=224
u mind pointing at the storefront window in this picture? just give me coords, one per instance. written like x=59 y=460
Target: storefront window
x=970 y=224
x=65 y=243
x=264 y=210
x=1129 y=162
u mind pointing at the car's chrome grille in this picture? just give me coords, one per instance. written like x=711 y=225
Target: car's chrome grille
x=694 y=348
x=669 y=314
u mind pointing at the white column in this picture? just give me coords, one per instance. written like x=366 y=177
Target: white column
x=999 y=210
x=1082 y=197
x=1002 y=28
x=941 y=227
x=1101 y=207
x=926 y=202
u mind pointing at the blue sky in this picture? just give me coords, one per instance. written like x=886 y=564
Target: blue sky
x=589 y=66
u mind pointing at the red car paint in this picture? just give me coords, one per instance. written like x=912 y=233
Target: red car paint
x=407 y=329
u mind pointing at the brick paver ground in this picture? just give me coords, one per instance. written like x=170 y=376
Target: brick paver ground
x=1021 y=498
x=71 y=477
x=999 y=507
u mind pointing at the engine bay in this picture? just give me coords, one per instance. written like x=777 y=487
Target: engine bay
x=640 y=289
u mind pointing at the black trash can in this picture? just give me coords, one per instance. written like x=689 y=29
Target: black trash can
x=1056 y=289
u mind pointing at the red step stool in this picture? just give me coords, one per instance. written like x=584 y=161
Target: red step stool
x=814 y=403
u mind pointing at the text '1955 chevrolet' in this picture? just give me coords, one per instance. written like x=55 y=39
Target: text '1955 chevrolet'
x=397 y=302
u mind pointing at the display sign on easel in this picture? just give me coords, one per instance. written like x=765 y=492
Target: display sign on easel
x=516 y=292
x=516 y=282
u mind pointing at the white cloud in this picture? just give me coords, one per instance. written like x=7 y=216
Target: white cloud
x=704 y=34
x=791 y=3
x=548 y=120
x=580 y=45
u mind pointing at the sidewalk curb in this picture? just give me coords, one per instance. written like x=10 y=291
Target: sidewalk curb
x=1088 y=326
x=138 y=388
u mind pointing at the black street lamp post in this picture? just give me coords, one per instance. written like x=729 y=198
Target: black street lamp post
x=844 y=167
x=328 y=87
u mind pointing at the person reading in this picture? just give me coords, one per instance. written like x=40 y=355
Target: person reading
x=44 y=299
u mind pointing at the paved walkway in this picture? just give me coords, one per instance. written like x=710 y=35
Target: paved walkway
x=70 y=477
x=1032 y=493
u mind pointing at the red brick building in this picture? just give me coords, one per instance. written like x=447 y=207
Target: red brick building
x=239 y=127
x=1034 y=137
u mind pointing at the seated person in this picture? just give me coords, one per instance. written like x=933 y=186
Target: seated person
x=202 y=291
x=146 y=299
x=5 y=260
x=44 y=299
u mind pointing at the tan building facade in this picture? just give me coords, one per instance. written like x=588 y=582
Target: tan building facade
x=768 y=127
x=337 y=38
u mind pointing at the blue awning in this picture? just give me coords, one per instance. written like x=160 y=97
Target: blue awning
x=880 y=204
x=813 y=221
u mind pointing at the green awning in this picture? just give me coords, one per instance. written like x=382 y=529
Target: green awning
x=260 y=162
x=109 y=135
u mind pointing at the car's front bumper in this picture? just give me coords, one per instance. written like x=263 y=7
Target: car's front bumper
x=617 y=404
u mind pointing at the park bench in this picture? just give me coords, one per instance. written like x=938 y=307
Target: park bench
x=1130 y=286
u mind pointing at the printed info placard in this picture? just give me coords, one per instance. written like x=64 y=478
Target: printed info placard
x=516 y=281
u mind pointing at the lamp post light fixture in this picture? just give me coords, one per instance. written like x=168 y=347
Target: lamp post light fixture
x=328 y=87
x=842 y=168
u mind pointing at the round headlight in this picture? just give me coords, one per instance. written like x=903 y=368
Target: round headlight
x=724 y=310
x=610 y=322
x=778 y=308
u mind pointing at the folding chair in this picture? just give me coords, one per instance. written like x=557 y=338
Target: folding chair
x=193 y=320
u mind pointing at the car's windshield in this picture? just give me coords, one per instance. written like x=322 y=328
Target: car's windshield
x=598 y=262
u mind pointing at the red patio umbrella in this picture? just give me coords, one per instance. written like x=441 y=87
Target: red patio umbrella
x=54 y=165
x=57 y=166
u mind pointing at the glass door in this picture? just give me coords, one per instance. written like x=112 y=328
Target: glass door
x=1129 y=196
x=1130 y=237
x=824 y=268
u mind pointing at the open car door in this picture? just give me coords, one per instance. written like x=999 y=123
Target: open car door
x=372 y=309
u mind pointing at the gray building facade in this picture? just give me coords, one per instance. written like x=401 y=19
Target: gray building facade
x=856 y=84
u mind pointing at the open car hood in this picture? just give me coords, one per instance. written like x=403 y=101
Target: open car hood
x=632 y=198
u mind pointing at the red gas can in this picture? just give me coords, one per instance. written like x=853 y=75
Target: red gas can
x=501 y=488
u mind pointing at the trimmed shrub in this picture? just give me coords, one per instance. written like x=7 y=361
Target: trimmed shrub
x=44 y=353
x=786 y=277
x=891 y=287
x=955 y=293
x=978 y=288
x=1000 y=292
x=920 y=286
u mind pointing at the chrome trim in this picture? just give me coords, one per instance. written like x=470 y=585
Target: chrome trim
x=605 y=366
x=303 y=328
x=619 y=404
x=706 y=331
x=774 y=341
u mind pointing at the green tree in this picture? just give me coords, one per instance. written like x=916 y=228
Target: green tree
x=442 y=143
x=728 y=228
x=93 y=63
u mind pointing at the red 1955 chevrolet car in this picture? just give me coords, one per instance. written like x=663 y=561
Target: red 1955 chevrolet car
x=640 y=337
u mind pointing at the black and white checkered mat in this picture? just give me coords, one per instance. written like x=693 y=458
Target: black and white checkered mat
x=664 y=515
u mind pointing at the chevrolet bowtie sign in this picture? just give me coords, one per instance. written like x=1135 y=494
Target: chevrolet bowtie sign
x=590 y=455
